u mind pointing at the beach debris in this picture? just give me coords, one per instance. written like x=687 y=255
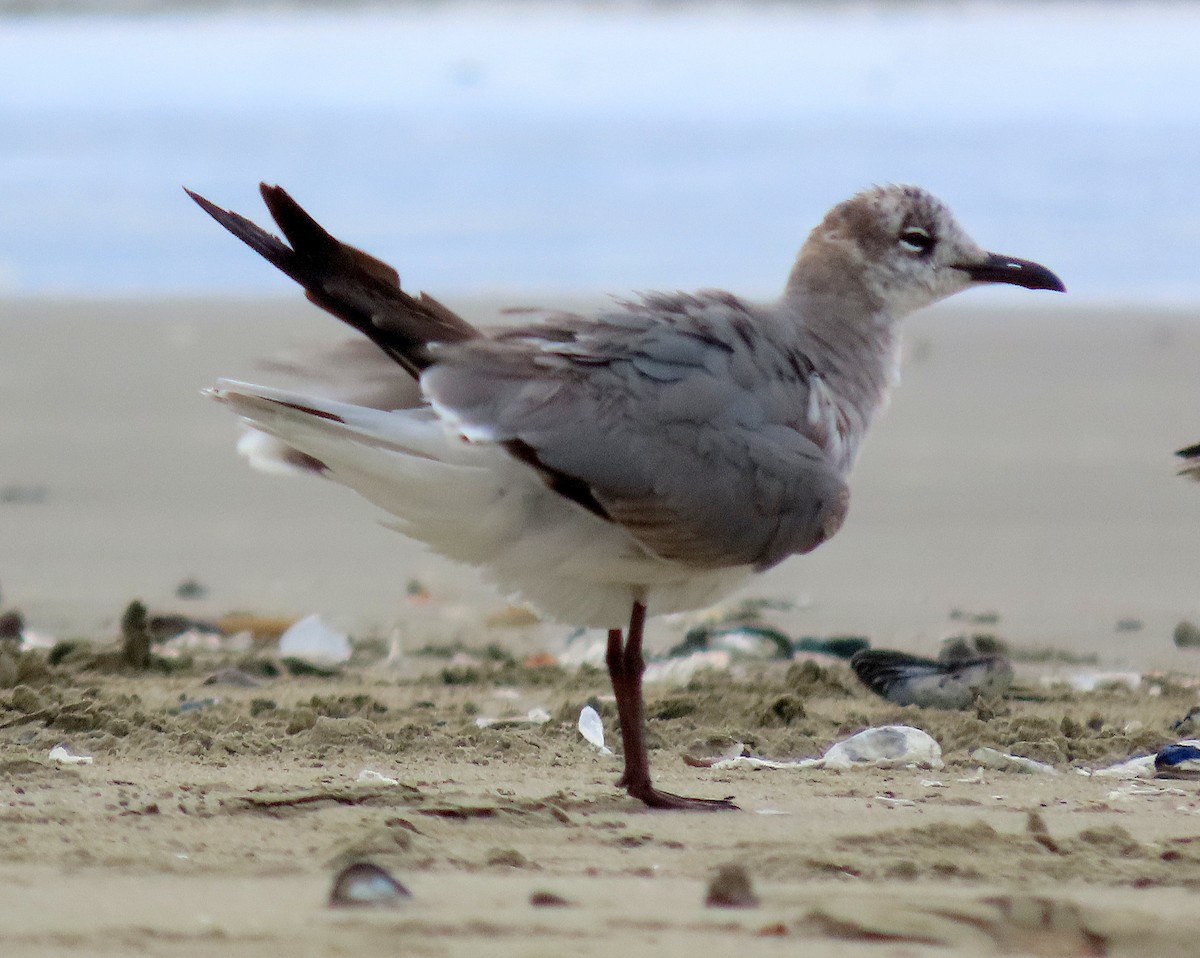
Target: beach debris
x=1089 y=680
x=886 y=746
x=731 y=888
x=739 y=628
x=592 y=728
x=366 y=885
x=194 y=705
x=235 y=677
x=1140 y=767
x=682 y=671
x=535 y=716
x=311 y=640
x=1003 y=762
x=369 y=776
x=1180 y=760
x=65 y=755
x=744 y=641
x=910 y=680
x=548 y=899
x=190 y=589
x=1187 y=635
x=839 y=646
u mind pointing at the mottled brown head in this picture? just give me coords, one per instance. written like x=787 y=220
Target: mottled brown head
x=899 y=248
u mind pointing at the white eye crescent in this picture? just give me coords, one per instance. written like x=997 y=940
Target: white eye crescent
x=916 y=240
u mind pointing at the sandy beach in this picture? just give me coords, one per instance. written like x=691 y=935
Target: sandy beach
x=1023 y=474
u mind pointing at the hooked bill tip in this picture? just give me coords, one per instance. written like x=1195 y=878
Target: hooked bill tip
x=1014 y=272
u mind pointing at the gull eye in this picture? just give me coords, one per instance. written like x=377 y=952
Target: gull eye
x=916 y=240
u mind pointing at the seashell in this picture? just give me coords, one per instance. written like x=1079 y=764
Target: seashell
x=592 y=729
x=64 y=755
x=886 y=746
x=364 y=885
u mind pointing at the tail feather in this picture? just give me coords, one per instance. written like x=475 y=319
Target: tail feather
x=357 y=288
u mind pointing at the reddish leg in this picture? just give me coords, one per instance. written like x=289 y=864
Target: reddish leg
x=625 y=668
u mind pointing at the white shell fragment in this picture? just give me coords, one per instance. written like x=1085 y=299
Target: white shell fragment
x=1141 y=767
x=1003 y=762
x=372 y=777
x=312 y=640
x=592 y=729
x=62 y=754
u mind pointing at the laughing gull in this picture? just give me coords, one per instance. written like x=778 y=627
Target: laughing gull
x=643 y=459
x=1191 y=456
x=946 y=683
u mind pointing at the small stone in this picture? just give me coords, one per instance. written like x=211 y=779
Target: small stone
x=302 y=720
x=547 y=899
x=24 y=699
x=508 y=857
x=731 y=889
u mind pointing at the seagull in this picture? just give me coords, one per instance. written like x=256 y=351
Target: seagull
x=1191 y=456
x=642 y=459
x=947 y=683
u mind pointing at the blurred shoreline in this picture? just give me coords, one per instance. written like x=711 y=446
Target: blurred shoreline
x=486 y=147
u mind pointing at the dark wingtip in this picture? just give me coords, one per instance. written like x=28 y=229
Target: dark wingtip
x=1189 y=452
x=208 y=206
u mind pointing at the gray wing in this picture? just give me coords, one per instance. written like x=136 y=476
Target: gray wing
x=675 y=417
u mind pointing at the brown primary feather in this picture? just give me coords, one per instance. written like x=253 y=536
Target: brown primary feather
x=357 y=288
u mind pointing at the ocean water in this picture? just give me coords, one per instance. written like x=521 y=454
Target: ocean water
x=505 y=147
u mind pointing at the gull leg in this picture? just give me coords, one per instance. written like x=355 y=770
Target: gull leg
x=625 y=668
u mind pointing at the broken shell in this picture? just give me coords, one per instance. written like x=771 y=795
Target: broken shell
x=63 y=754
x=592 y=729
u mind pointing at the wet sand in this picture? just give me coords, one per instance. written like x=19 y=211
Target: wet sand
x=1023 y=469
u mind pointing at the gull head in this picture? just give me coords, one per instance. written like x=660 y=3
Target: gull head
x=897 y=249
